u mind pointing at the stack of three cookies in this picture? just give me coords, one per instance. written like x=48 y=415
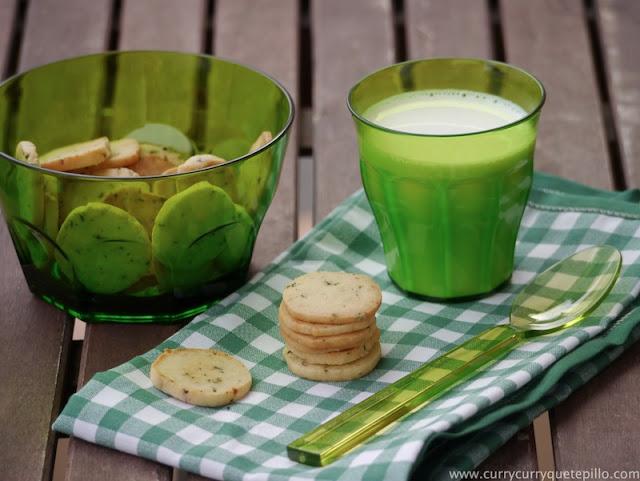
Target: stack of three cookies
x=328 y=323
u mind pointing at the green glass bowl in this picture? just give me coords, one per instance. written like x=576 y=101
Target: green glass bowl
x=195 y=232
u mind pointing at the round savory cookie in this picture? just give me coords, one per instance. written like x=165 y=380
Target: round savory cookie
x=106 y=248
x=51 y=206
x=239 y=241
x=141 y=204
x=316 y=329
x=336 y=358
x=29 y=185
x=328 y=343
x=77 y=156
x=326 y=372
x=299 y=347
x=190 y=232
x=29 y=192
x=203 y=377
x=74 y=193
x=124 y=152
x=162 y=137
x=27 y=152
x=199 y=162
x=154 y=160
x=332 y=297
x=112 y=172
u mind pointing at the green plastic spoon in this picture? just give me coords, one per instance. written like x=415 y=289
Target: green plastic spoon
x=557 y=298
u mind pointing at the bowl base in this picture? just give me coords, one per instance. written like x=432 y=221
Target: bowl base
x=167 y=308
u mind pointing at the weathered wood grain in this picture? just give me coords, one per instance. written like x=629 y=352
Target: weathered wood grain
x=433 y=28
x=162 y=25
x=38 y=334
x=54 y=31
x=35 y=339
x=619 y=24
x=598 y=425
x=349 y=40
x=550 y=40
x=264 y=34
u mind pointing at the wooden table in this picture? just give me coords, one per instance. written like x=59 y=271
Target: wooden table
x=585 y=51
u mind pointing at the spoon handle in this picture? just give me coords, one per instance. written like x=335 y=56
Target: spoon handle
x=332 y=439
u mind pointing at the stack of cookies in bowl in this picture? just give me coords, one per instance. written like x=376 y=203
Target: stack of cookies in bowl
x=328 y=323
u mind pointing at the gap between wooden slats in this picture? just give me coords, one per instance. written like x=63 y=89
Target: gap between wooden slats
x=617 y=23
x=10 y=35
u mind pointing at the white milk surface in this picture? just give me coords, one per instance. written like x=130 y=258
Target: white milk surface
x=444 y=112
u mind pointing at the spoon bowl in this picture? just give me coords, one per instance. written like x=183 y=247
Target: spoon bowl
x=568 y=291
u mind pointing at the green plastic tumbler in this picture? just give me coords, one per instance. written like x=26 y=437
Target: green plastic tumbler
x=448 y=206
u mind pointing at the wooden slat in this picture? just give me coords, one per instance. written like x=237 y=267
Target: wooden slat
x=37 y=334
x=145 y=24
x=550 y=39
x=456 y=28
x=35 y=339
x=54 y=31
x=544 y=442
x=598 y=425
x=162 y=25
x=7 y=15
x=587 y=415
x=106 y=346
x=349 y=40
x=138 y=339
x=460 y=28
x=619 y=23
x=264 y=34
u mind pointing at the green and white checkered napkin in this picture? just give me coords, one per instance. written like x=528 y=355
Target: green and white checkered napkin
x=247 y=440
